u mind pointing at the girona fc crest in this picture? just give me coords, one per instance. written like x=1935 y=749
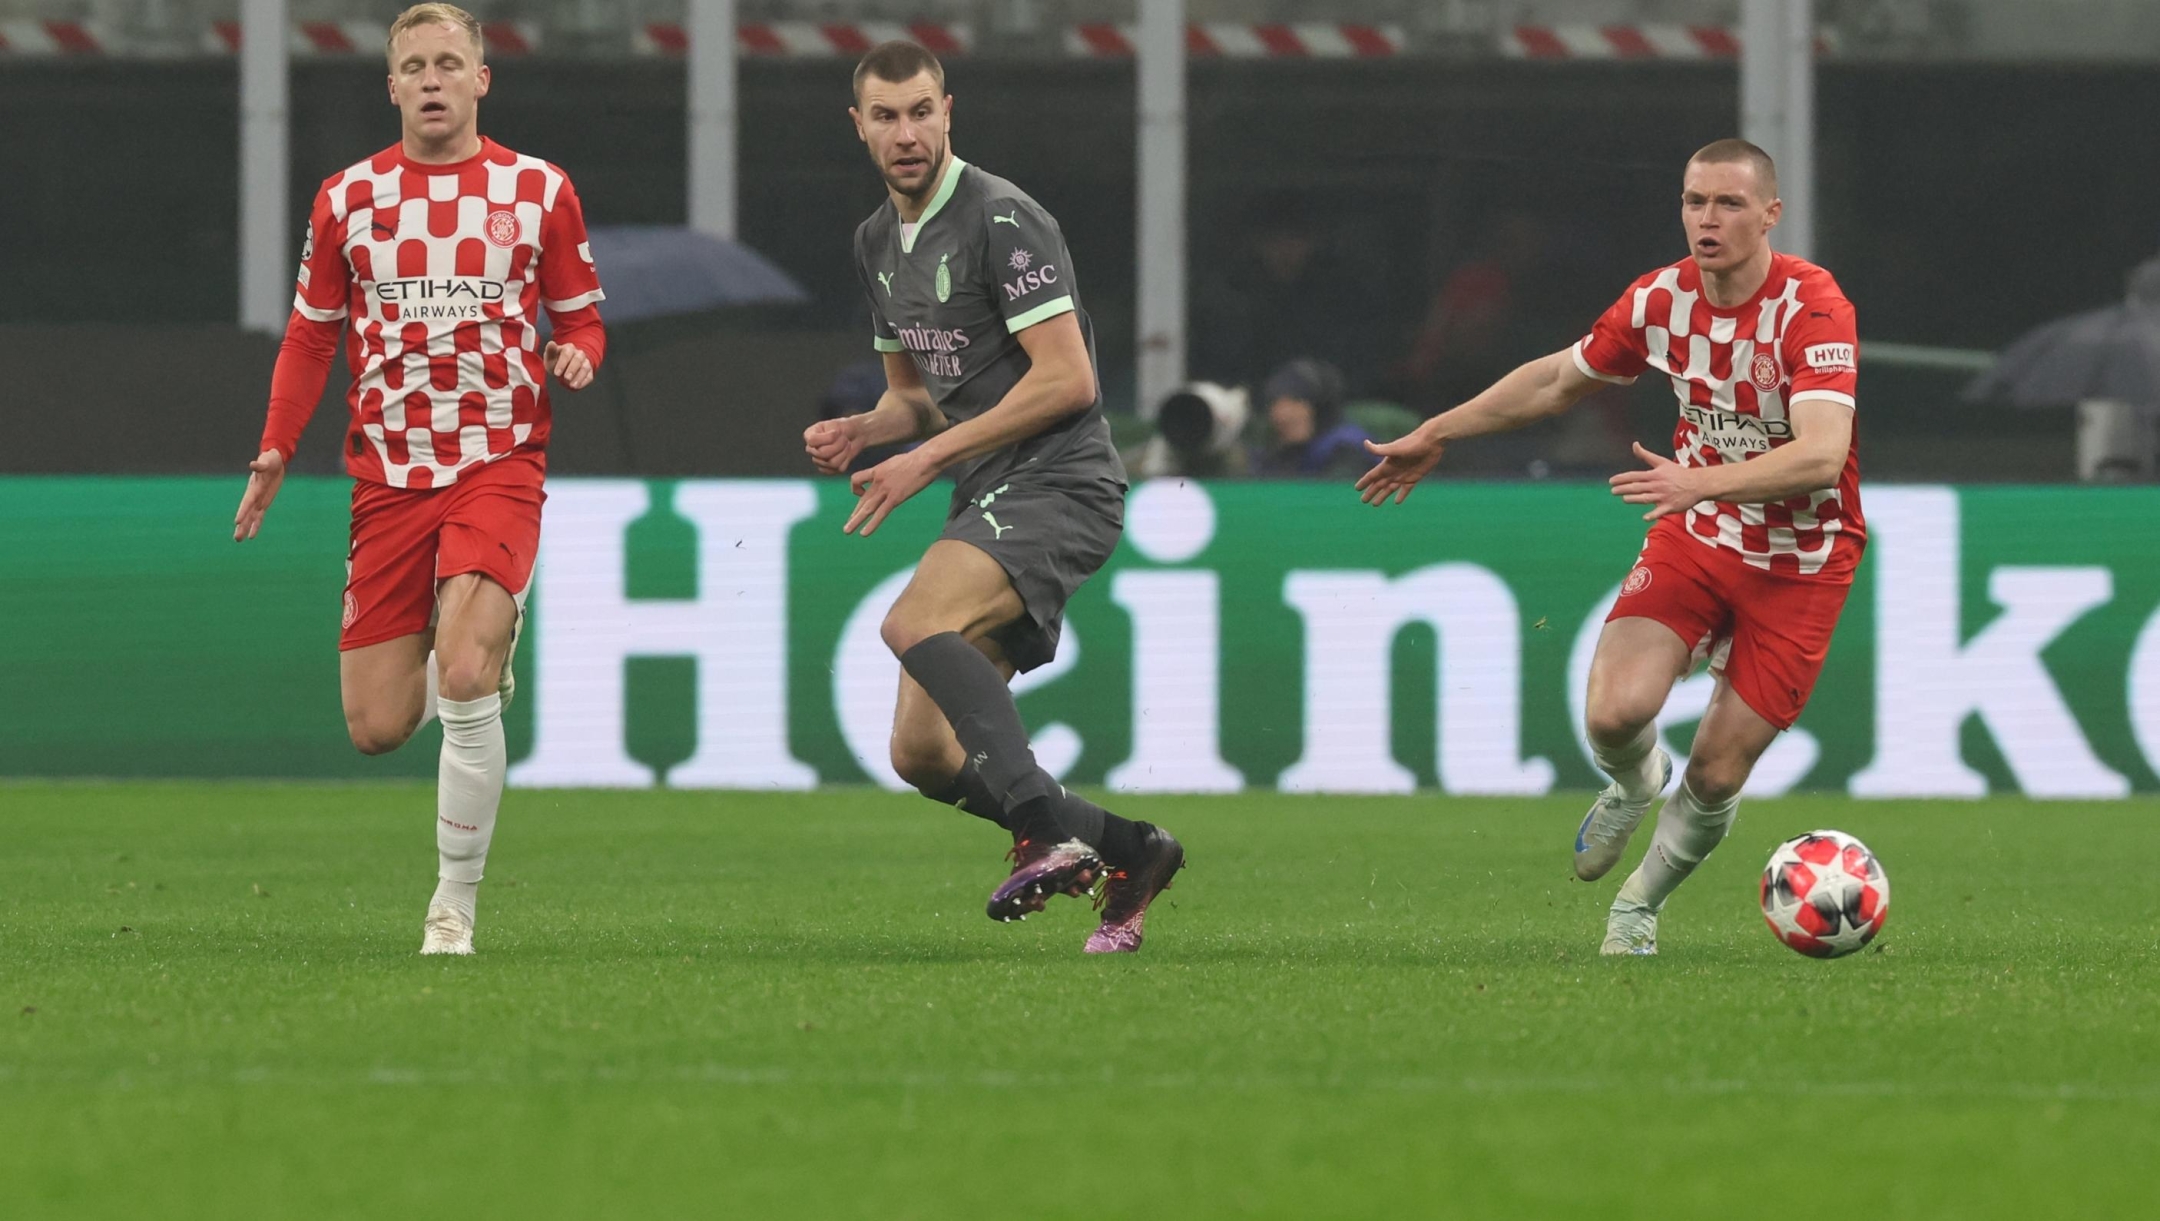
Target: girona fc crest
x=352 y=608
x=502 y=228
x=1765 y=371
x=1637 y=581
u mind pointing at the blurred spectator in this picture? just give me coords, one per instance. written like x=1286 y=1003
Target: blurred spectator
x=1199 y=432
x=1282 y=289
x=1468 y=338
x=1307 y=436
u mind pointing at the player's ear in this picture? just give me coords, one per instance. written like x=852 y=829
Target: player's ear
x=856 y=116
x=1772 y=213
x=485 y=78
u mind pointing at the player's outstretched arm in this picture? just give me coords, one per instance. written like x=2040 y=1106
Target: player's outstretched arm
x=904 y=412
x=1059 y=382
x=1810 y=462
x=1544 y=387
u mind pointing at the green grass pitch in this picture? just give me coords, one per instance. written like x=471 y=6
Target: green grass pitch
x=791 y=1006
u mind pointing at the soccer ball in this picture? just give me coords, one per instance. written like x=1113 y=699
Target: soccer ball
x=1824 y=894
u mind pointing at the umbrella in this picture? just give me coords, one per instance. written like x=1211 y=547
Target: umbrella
x=2111 y=354
x=657 y=272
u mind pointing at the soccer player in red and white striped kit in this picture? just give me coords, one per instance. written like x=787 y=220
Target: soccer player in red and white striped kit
x=1758 y=526
x=439 y=251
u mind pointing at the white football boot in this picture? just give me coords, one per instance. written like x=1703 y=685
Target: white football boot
x=1603 y=837
x=1630 y=929
x=449 y=931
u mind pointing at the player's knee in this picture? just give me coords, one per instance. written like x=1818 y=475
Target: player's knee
x=1717 y=777
x=903 y=632
x=1614 y=721
x=374 y=734
x=468 y=678
x=928 y=767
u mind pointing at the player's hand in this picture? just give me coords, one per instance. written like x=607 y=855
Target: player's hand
x=1403 y=462
x=569 y=364
x=884 y=487
x=833 y=444
x=1667 y=487
x=265 y=475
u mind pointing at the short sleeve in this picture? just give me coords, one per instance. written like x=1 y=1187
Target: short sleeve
x=1822 y=353
x=1613 y=351
x=882 y=336
x=1025 y=256
x=568 y=279
x=325 y=280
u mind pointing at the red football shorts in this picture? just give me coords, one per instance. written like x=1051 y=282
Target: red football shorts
x=1767 y=634
x=405 y=540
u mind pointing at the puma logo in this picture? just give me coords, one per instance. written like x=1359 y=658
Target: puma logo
x=1006 y=219
x=992 y=519
x=1816 y=313
x=885 y=278
x=380 y=229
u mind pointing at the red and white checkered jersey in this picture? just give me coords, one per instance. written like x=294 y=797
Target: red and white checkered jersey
x=1736 y=373
x=442 y=270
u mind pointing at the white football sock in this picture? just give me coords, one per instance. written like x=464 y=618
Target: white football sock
x=434 y=693
x=470 y=784
x=463 y=896
x=1687 y=831
x=1632 y=766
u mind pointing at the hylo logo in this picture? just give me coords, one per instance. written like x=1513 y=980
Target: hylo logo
x=1831 y=357
x=502 y=228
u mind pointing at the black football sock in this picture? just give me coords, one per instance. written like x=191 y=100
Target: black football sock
x=1038 y=820
x=969 y=794
x=978 y=705
x=1122 y=842
x=1081 y=819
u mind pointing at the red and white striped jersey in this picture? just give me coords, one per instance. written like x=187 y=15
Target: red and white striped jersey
x=442 y=270
x=1736 y=373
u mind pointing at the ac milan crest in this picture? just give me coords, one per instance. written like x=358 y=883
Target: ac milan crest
x=1765 y=371
x=502 y=228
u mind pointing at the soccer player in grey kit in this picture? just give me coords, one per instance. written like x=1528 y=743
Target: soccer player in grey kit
x=990 y=364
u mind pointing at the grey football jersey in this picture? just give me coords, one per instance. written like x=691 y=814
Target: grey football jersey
x=985 y=263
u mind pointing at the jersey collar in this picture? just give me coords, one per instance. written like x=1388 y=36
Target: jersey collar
x=488 y=151
x=937 y=201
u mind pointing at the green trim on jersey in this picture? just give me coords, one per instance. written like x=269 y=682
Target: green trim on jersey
x=1041 y=313
x=883 y=344
x=944 y=192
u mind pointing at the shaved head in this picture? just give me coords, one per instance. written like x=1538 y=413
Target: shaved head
x=1740 y=152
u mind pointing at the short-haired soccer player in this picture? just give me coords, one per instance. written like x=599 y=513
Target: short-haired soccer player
x=990 y=364
x=1758 y=526
x=440 y=251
